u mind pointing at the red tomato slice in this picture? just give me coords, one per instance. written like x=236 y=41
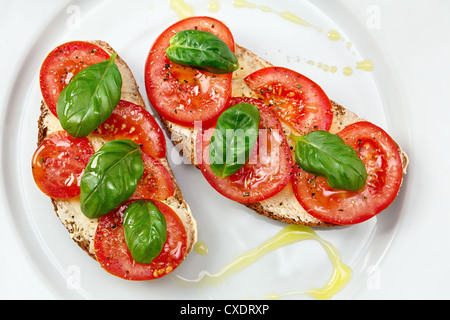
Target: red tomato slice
x=156 y=183
x=62 y=64
x=384 y=168
x=130 y=121
x=58 y=164
x=181 y=94
x=112 y=251
x=294 y=98
x=268 y=170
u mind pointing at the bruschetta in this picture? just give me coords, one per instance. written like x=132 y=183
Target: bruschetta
x=190 y=101
x=109 y=181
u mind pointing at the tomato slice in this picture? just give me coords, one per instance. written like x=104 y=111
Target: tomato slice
x=112 y=251
x=134 y=122
x=58 y=164
x=62 y=64
x=268 y=170
x=384 y=168
x=156 y=183
x=182 y=94
x=294 y=98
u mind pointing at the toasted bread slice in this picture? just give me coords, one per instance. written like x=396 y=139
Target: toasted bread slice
x=283 y=206
x=82 y=229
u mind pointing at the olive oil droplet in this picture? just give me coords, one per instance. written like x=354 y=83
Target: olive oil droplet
x=182 y=9
x=365 y=65
x=213 y=6
x=242 y=4
x=334 y=35
x=201 y=248
x=347 y=71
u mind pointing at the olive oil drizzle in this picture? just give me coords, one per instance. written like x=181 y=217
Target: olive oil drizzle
x=285 y=14
x=185 y=10
x=332 y=35
x=290 y=234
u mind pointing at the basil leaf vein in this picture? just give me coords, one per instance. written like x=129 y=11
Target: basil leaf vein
x=202 y=50
x=110 y=177
x=325 y=154
x=90 y=98
x=233 y=139
x=145 y=231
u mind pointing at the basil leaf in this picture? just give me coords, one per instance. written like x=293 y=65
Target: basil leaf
x=233 y=139
x=145 y=230
x=110 y=177
x=324 y=154
x=90 y=98
x=201 y=50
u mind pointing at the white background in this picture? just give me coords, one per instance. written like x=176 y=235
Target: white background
x=415 y=39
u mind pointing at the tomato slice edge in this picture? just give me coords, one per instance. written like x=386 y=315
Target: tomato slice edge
x=296 y=99
x=58 y=163
x=156 y=183
x=174 y=90
x=385 y=174
x=113 y=255
x=134 y=122
x=62 y=64
x=234 y=187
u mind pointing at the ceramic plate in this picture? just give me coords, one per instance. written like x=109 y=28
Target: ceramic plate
x=317 y=38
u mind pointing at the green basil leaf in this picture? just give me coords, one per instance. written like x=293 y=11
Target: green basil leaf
x=233 y=139
x=110 y=177
x=90 y=98
x=201 y=50
x=145 y=230
x=324 y=154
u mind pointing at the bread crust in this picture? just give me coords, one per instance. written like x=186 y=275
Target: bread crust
x=283 y=206
x=80 y=228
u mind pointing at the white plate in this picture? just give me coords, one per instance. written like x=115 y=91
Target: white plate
x=227 y=228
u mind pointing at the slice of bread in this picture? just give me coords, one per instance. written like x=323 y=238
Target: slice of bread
x=283 y=206
x=81 y=229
